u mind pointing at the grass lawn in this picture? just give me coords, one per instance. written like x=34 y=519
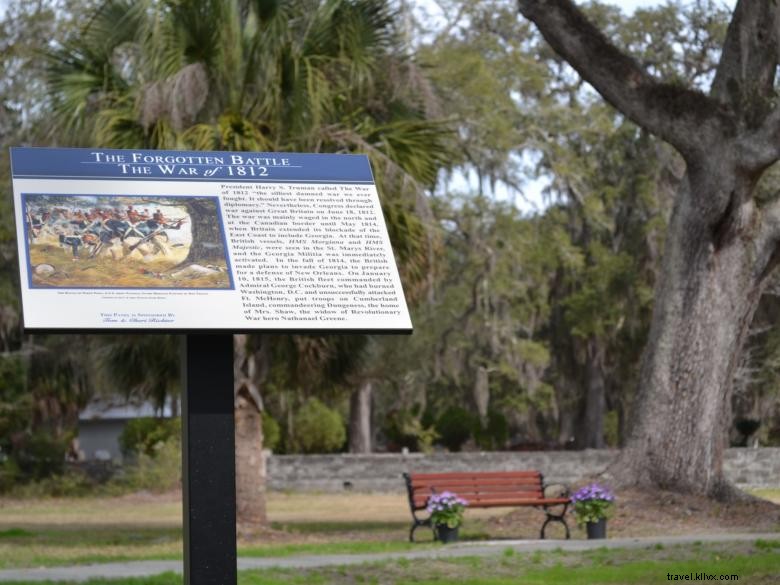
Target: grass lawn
x=68 y=531
x=51 y=532
x=756 y=563
x=771 y=494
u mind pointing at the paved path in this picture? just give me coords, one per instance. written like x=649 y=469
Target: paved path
x=149 y=568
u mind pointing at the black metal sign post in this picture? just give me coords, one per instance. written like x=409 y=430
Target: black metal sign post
x=208 y=457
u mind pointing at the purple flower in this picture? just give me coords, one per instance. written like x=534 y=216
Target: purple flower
x=444 y=502
x=593 y=492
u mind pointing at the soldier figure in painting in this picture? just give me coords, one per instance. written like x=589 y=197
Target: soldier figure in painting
x=108 y=235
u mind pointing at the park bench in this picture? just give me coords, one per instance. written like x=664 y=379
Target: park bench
x=488 y=489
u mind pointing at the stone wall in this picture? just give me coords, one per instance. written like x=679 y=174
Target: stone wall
x=382 y=472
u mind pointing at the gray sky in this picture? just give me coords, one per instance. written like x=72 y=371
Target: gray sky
x=626 y=5
x=629 y=5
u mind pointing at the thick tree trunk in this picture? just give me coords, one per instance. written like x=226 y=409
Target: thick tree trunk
x=705 y=302
x=360 y=418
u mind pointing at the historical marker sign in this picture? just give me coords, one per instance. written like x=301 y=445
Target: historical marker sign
x=211 y=241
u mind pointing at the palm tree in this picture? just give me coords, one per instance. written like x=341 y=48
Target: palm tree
x=142 y=366
x=300 y=75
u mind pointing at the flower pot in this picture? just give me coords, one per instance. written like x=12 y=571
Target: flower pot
x=445 y=534
x=597 y=529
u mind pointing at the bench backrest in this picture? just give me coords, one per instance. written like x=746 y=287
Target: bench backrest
x=475 y=487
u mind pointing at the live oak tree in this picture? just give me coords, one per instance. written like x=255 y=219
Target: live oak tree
x=721 y=246
x=615 y=184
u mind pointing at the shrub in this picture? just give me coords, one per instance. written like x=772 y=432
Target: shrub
x=454 y=427
x=41 y=455
x=317 y=429
x=495 y=434
x=144 y=435
x=158 y=472
x=9 y=475
x=404 y=428
x=71 y=483
x=271 y=432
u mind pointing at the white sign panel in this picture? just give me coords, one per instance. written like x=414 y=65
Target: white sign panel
x=229 y=241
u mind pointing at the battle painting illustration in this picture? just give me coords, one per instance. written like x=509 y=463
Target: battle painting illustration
x=118 y=241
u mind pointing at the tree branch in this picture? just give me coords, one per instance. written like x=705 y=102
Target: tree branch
x=759 y=149
x=687 y=119
x=745 y=76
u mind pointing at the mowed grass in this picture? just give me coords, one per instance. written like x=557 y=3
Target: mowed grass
x=771 y=494
x=52 y=532
x=756 y=563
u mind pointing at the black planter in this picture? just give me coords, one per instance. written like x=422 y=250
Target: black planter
x=445 y=534
x=597 y=529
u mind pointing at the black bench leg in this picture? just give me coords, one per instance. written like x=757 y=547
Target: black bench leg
x=554 y=518
x=416 y=525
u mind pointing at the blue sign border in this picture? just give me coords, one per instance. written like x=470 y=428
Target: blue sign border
x=181 y=165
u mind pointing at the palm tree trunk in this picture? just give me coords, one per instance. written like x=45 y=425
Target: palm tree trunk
x=251 y=519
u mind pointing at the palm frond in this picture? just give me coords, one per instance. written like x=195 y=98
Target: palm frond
x=142 y=366
x=119 y=128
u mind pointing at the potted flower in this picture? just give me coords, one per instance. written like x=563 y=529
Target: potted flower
x=593 y=505
x=446 y=510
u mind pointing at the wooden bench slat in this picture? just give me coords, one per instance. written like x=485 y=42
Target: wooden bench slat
x=494 y=500
x=415 y=477
x=527 y=492
x=511 y=503
x=451 y=485
x=474 y=500
x=463 y=489
x=515 y=497
x=477 y=492
x=476 y=496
